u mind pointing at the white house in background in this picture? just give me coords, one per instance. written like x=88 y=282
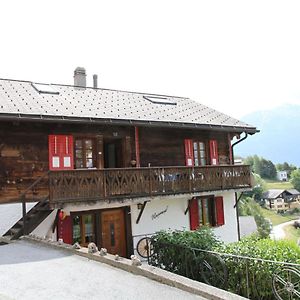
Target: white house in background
x=282 y=175
x=110 y=166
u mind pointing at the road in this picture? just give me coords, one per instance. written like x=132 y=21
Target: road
x=278 y=232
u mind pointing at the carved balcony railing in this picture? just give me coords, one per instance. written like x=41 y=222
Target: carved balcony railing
x=95 y=184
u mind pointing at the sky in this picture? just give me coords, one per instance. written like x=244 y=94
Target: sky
x=234 y=56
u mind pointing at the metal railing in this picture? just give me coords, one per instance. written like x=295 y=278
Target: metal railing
x=254 y=278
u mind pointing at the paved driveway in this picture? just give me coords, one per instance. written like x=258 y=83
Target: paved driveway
x=277 y=232
x=30 y=271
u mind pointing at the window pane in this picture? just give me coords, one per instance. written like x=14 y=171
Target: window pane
x=88 y=228
x=200 y=212
x=203 y=161
x=78 y=153
x=202 y=146
x=89 y=163
x=76 y=230
x=88 y=144
x=196 y=162
x=195 y=145
x=89 y=154
x=206 y=211
x=78 y=144
x=79 y=163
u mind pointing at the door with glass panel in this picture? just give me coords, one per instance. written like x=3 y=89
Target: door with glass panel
x=113 y=231
x=84 y=229
x=85 y=153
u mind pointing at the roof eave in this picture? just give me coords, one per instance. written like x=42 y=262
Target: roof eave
x=66 y=119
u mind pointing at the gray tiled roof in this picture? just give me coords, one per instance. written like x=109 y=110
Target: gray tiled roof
x=19 y=99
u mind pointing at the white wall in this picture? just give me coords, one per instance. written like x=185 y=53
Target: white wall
x=11 y=214
x=174 y=217
x=44 y=230
x=228 y=232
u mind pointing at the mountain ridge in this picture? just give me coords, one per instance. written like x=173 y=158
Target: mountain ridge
x=279 y=136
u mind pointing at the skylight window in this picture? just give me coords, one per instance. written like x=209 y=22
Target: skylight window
x=45 y=88
x=160 y=100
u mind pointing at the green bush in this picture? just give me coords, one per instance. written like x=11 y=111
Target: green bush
x=173 y=250
x=249 y=207
x=252 y=278
x=256 y=274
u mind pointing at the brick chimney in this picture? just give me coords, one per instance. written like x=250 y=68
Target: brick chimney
x=80 y=77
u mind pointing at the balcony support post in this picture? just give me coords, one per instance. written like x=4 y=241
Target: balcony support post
x=141 y=212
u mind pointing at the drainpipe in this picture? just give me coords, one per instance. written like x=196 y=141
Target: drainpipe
x=236 y=197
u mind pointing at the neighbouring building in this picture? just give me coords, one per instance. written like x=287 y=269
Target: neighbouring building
x=277 y=199
x=114 y=166
x=282 y=175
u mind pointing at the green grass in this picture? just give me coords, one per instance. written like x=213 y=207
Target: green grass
x=281 y=185
x=292 y=233
x=277 y=218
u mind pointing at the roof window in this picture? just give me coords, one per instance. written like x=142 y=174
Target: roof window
x=159 y=100
x=45 y=88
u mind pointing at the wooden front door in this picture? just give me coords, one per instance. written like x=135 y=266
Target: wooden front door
x=113 y=231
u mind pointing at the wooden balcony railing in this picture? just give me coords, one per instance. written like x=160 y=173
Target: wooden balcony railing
x=90 y=184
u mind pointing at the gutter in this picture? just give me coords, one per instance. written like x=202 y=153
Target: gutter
x=124 y=122
x=235 y=194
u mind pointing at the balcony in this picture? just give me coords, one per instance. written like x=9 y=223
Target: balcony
x=110 y=184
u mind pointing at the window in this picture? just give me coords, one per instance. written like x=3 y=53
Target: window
x=195 y=153
x=160 y=100
x=199 y=153
x=83 y=229
x=85 y=153
x=206 y=211
x=45 y=88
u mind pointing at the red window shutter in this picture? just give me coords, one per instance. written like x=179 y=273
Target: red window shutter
x=213 y=147
x=220 y=219
x=60 y=152
x=66 y=142
x=54 y=152
x=64 y=230
x=194 y=214
x=189 y=155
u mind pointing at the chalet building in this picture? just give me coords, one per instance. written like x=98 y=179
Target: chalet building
x=281 y=200
x=113 y=166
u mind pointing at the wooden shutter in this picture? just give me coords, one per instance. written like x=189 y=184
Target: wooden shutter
x=64 y=230
x=66 y=142
x=220 y=219
x=60 y=152
x=189 y=155
x=213 y=149
x=54 y=155
x=194 y=214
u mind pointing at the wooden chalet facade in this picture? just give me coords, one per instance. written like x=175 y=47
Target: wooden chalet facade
x=112 y=166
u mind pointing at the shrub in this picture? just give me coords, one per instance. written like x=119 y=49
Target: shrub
x=173 y=250
x=256 y=274
x=252 y=278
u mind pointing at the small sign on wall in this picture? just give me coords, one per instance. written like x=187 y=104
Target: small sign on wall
x=157 y=215
x=67 y=162
x=55 y=162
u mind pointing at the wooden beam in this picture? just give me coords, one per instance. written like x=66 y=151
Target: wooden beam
x=188 y=207
x=137 y=147
x=100 y=152
x=127 y=151
x=141 y=212
x=230 y=149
